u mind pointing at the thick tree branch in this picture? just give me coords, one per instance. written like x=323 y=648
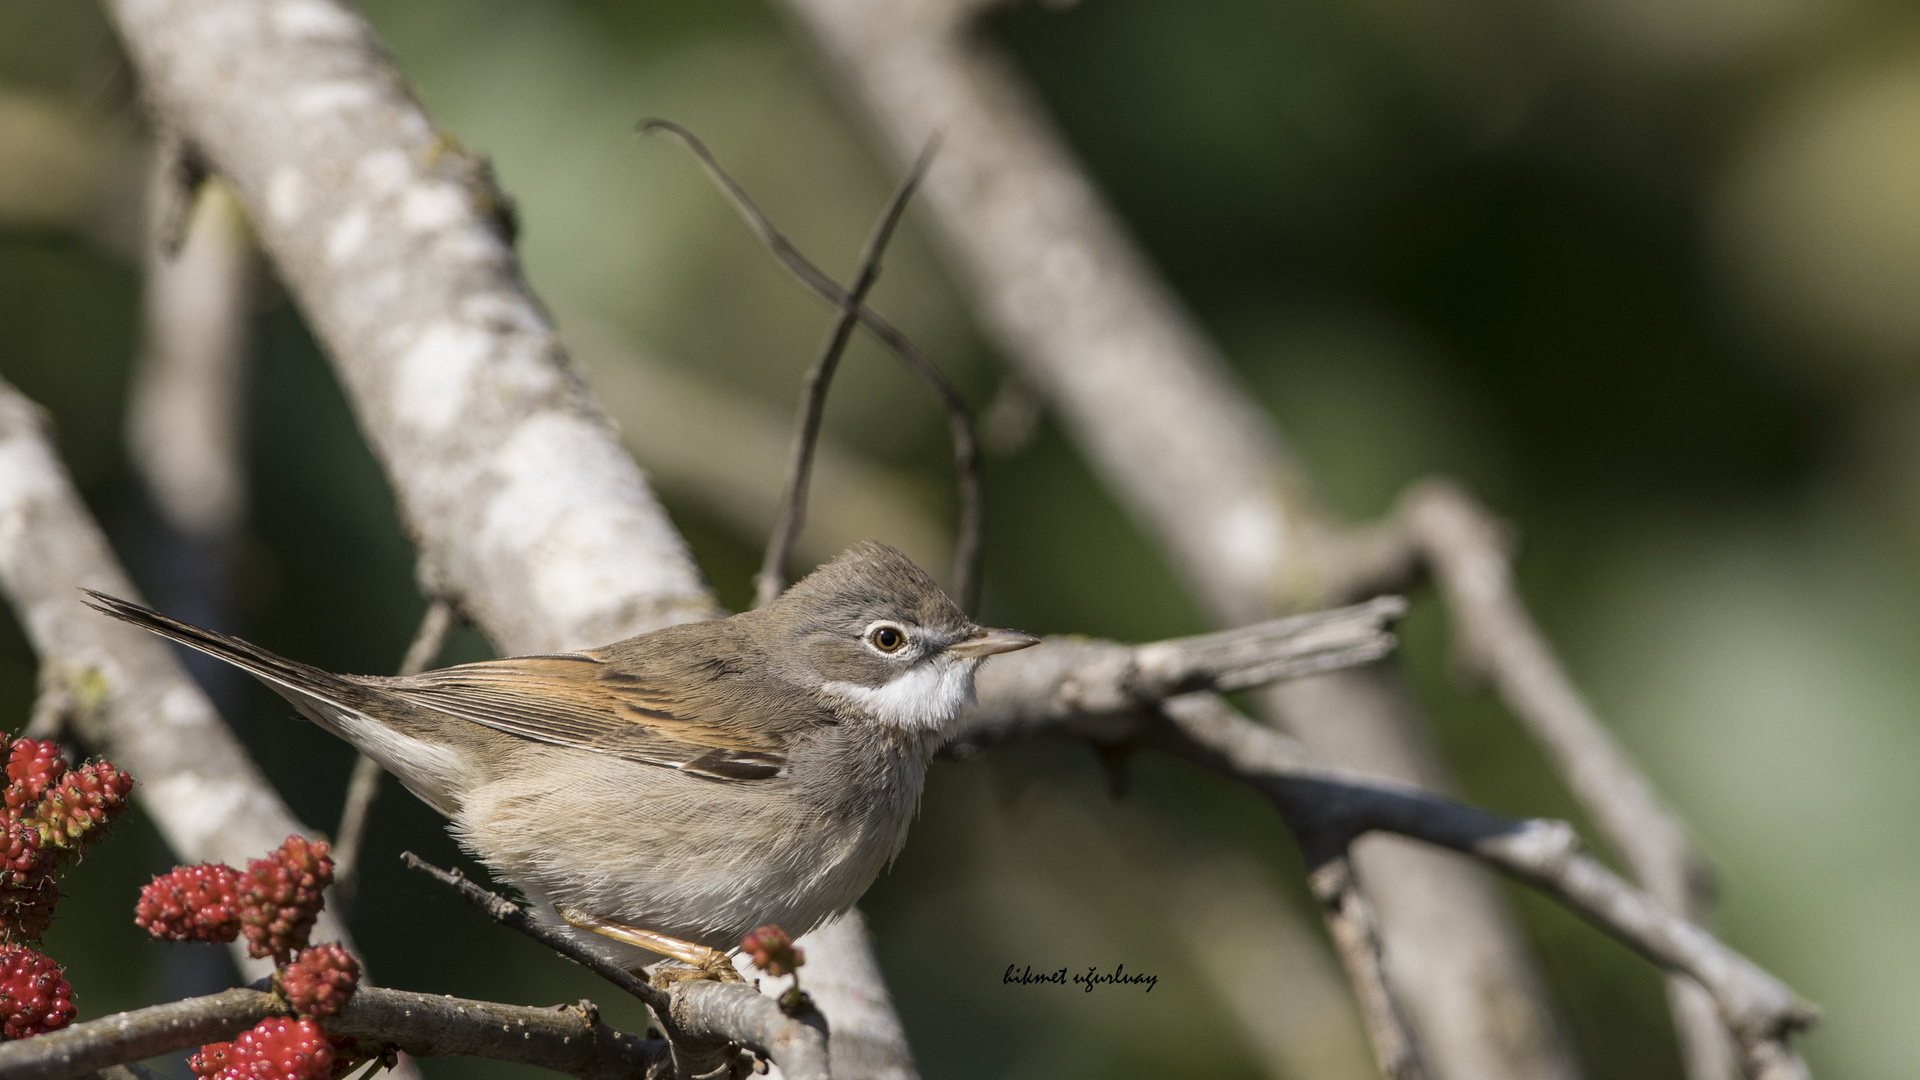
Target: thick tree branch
x=129 y=698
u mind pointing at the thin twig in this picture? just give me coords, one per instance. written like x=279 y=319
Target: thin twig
x=569 y=1039
x=699 y=1018
x=966 y=451
x=364 y=785
x=813 y=397
x=1356 y=937
x=514 y=917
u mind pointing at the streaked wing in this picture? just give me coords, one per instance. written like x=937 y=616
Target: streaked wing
x=579 y=701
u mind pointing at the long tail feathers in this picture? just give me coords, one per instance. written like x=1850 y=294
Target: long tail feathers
x=277 y=671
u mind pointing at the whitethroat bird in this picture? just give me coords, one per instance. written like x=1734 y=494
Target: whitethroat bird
x=678 y=789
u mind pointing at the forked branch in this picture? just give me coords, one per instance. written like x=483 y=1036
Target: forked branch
x=813 y=399
x=966 y=450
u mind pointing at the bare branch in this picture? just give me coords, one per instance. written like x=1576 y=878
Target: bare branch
x=1356 y=937
x=1086 y=683
x=1496 y=638
x=568 y=1039
x=1329 y=808
x=511 y=915
x=813 y=400
x=700 y=1023
x=966 y=450
x=128 y=696
x=363 y=786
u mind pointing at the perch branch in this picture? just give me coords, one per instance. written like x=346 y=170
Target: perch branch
x=128 y=696
x=1495 y=637
x=966 y=450
x=568 y=1039
x=813 y=399
x=697 y=1021
x=514 y=917
x=363 y=786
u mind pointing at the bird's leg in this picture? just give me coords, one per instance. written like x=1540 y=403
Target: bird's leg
x=711 y=962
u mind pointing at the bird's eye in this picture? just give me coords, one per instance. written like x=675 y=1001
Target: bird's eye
x=888 y=639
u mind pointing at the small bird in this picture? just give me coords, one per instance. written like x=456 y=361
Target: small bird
x=677 y=789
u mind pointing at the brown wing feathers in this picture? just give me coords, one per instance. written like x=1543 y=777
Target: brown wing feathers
x=567 y=700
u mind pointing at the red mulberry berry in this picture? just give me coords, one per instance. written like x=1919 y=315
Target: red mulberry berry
x=320 y=980
x=19 y=851
x=212 y=1060
x=191 y=903
x=280 y=1049
x=772 y=951
x=79 y=806
x=33 y=996
x=32 y=765
x=281 y=895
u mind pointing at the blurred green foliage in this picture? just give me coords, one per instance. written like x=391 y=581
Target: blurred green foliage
x=1442 y=238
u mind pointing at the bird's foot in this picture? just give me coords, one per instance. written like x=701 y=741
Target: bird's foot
x=702 y=962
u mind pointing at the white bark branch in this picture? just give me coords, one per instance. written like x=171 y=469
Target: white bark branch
x=135 y=703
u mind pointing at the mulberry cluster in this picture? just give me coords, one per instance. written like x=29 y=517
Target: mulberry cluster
x=34 y=998
x=191 y=903
x=77 y=807
x=281 y=895
x=320 y=980
x=50 y=812
x=275 y=1049
x=772 y=951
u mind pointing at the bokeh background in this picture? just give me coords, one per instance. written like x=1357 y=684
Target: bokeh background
x=1644 y=273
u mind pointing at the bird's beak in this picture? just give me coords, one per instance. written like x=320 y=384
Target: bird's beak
x=984 y=643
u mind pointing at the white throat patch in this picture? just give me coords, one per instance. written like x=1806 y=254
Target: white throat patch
x=926 y=697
